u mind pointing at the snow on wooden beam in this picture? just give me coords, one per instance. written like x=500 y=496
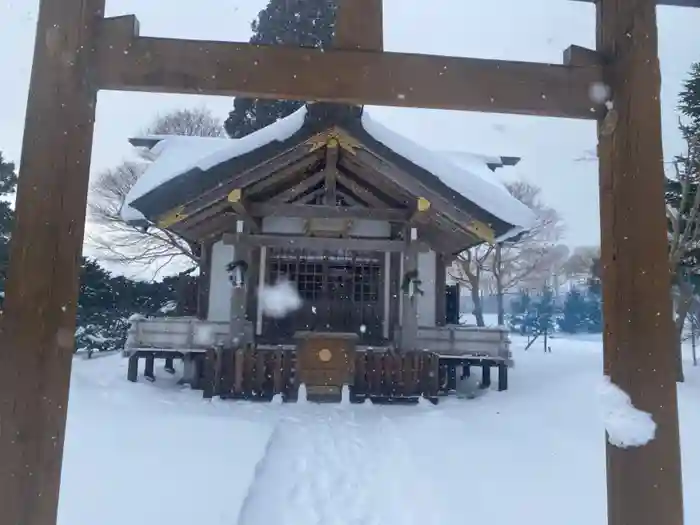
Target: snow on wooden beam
x=128 y=62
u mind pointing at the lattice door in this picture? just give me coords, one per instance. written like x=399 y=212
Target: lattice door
x=341 y=292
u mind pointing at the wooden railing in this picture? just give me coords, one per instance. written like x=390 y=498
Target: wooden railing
x=455 y=340
x=186 y=334
x=256 y=374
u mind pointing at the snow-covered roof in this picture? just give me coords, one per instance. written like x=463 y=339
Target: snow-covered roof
x=178 y=154
x=475 y=183
x=465 y=175
x=171 y=155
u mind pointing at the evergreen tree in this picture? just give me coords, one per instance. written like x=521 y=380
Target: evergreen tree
x=689 y=101
x=594 y=300
x=575 y=313
x=8 y=184
x=520 y=309
x=544 y=311
x=106 y=303
x=305 y=23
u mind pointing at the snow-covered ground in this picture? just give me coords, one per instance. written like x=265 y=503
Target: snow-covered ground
x=147 y=454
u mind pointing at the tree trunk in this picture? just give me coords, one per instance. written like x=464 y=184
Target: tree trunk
x=685 y=301
x=499 y=287
x=478 y=310
x=693 y=327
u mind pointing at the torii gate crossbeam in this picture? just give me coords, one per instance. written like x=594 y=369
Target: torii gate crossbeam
x=78 y=51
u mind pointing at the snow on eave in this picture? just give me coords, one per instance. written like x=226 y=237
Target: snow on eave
x=175 y=155
x=493 y=162
x=482 y=191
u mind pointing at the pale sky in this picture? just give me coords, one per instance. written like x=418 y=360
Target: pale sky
x=558 y=154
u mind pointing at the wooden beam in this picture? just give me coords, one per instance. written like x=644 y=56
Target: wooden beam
x=204 y=280
x=309 y=197
x=440 y=289
x=238 y=334
x=331 y=172
x=235 y=199
x=676 y=3
x=409 y=314
x=363 y=193
x=38 y=322
x=279 y=175
x=581 y=56
x=210 y=229
x=359 y=25
x=370 y=177
x=420 y=214
x=320 y=243
x=305 y=185
x=644 y=483
x=322 y=211
x=354 y=77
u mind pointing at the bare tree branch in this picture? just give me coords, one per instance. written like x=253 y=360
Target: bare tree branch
x=115 y=240
x=531 y=259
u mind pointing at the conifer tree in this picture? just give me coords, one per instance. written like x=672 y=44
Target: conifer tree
x=305 y=23
x=8 y=184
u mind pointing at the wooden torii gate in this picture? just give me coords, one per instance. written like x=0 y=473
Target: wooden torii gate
x=79 y=52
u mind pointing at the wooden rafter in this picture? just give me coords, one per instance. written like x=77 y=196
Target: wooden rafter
x=310 y=197
x=331 y=172
x=367 y=176
x=362 y=192
x=268 y=173
x=278 y=177
x=127 y=62
x=304 y=185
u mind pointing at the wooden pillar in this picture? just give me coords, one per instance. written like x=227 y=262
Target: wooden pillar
x=262 y=276
x=38 y=324
x=204 y=280
x=359 y=25
x=386 y=301
x=644 y=483
x=409 y=313
x=499 y=285
x=440 y=289
x=239 y=293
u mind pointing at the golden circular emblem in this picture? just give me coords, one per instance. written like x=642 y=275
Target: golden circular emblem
x=325 y=355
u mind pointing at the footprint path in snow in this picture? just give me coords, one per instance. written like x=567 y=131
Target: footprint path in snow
x=339 y=467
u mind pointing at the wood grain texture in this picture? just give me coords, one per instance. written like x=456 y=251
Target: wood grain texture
x=344 y=76
x=359 y=25
x=38 y=324
x=644 y=484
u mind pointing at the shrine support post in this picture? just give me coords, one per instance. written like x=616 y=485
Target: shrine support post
x=644 y=483
x=38 y=323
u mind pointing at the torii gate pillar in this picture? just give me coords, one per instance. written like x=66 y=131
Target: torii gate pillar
x=38 y=324
x=644 y=484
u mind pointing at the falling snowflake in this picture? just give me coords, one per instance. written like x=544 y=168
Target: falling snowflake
x=599 y=92
x=280 y=299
